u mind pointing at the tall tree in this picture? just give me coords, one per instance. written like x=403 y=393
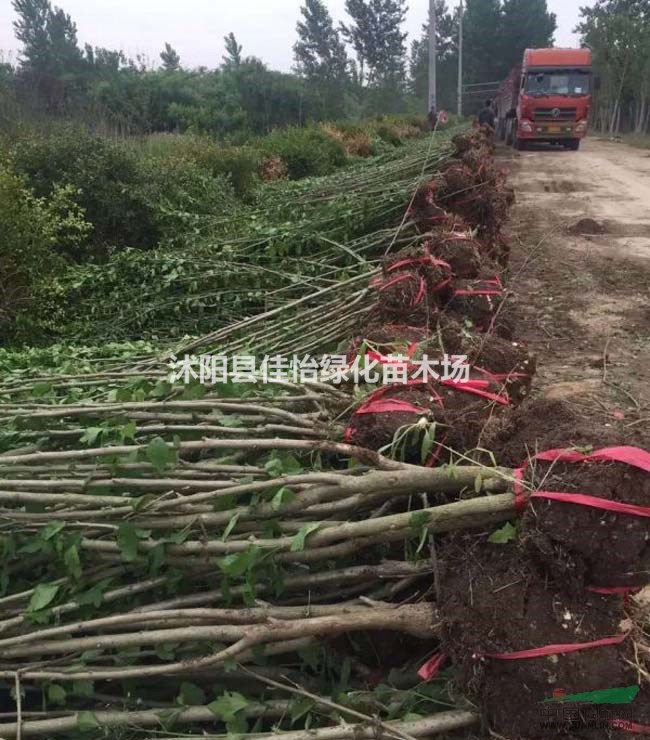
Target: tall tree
x=232 y=57
x=524 y=24
x=321 y=57
x=618 y=33
x=377 y=39
x=319 y=52
x=49 y=37
x=171 y=61
x=51 y=58
x=482 y=30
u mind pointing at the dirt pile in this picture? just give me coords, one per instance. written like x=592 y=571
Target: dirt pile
x=395 y=419
x=519 y=642
x=580 y=542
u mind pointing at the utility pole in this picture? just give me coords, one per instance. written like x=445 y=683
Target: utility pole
x=433 y=54
x=460 y=58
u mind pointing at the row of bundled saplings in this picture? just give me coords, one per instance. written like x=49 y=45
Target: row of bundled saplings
x=549 y=611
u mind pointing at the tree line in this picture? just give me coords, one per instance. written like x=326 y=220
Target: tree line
x=362 y=66
x=618 y=33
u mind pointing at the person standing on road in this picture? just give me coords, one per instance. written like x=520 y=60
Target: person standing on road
x=487 y=115
x=432 y=117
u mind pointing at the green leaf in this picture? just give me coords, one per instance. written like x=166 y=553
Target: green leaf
x=44 y=594
x=428 y=443
x=502 y=536
x=283 y=496
x=72 y=562
x=56 y=694
x=299 y=540
x=91 y=435
x=237 y=564
x=127 y=541
x=129 y=431
x=87 y=721
x=231 y=525
x=83 y=688
x=227 y=705
x=159 y=454
x=300 y=706
x=418 y=520
x=191 y=695
x=52 y=530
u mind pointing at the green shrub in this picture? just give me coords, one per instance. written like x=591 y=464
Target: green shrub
x=239 y=164
x=307 y=152
x=33 y=233
x=388 y=134
x=183 y=196
x=104 y=176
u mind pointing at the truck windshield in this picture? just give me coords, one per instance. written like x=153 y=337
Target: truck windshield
x=558 y=82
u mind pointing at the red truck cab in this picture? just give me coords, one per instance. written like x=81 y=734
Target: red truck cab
x=546 y=99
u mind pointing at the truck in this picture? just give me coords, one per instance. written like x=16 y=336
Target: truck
x=546 y=98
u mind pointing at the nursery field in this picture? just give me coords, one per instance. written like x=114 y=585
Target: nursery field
x=321 y=471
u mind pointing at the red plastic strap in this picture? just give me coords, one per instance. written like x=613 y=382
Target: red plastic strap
x=634 y=456
x=633 y=727
x=477 y=388
x=390 y=405
x=441 y=286
x=609 y=590
x=594 y=502
x=373 y=398
x=392 y=360
x=500 y=377
x=428 y=260
x=560 y=649
x=520 y=495
x=432 y=667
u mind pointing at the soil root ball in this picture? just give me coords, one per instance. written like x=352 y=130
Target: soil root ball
x=509 y=364
x=424 y=210
x=493 y=602
x=588 y=546
x=460 y=251
x=419 y=261
x=404 y=297
x=545 y=424
x=483 y=303
x=396 y=412
x=473 y=421
x=413 y=285
x=413 y=342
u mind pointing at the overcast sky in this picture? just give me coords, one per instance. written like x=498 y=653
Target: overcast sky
x=195 y=28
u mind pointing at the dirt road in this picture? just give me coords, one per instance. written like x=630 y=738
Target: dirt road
x=581 y=264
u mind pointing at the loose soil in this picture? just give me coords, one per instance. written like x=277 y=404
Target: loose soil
x=582 y=546
x=493 y=601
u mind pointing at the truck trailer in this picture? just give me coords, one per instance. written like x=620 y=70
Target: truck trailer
x=546 y=98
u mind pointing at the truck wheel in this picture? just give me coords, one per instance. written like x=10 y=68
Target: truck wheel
x=509 y=129
x=573 y=145
x=520 y=144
